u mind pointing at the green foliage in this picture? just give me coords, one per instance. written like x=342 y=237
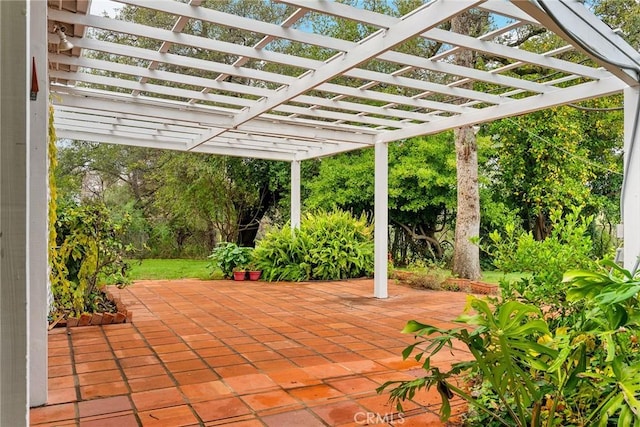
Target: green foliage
x=327 y=246
x=229 y=257
x=531 y=368
x=422 y=192
x=88 y=251
x=568 y=245
x=170 y=269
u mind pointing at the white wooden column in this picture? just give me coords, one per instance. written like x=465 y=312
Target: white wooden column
x=381 y=229
x=295 y=194
x=14 y=31
x=37 y=204
x=631 y=190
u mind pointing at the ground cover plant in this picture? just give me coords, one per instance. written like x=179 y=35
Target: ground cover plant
x=326 y=246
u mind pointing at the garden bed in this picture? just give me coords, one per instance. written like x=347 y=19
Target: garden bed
x=433 y=281
x=120 y=314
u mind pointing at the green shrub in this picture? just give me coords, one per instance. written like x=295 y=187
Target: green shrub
x=568 y=246
x=527 y=369
x=327 y=246
x=228 y=256
x=89 y=253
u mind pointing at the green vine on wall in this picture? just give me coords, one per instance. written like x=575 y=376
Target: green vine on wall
x=52 y=152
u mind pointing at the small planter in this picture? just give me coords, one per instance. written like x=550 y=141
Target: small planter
x=255 y=275
x=239 y=275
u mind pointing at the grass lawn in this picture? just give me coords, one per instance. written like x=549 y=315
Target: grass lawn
x=497 y=276
x=171 y=269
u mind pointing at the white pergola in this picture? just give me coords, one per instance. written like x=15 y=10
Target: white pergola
x=256 y=101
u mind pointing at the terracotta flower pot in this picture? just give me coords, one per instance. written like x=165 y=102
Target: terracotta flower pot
x=255 y=275
x=239 y=275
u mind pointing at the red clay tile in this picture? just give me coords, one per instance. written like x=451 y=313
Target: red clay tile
x=150 y=383
x=205 y=391
x=170 y=348
x=99 y=377
x=129 y=362
x=103 y=390
x=195 y=377
x=155 y=399
x=329 y=370
x=90 y=356
x=226 y=360
x=293 y=378
x=337 y=413
x=61 y=395
x=270 y=400
x=221 y=408
x=315 y=392
x=120 y=420
x=252 y=383
x=173 y=416
x=293 y=419
x=98 y=365
x=309 y=360
x=108 y=405
x=186 y=365
x=236 y=370
x=143 y=371
x=65 y=411
x=261 y=355
x=132 y=352
x=178 y=356
x=355 y=385
x=61 y=382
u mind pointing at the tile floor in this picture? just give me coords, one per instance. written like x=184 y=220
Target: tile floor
x=244 y=354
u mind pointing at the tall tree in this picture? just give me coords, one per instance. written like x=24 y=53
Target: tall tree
x=466 y=259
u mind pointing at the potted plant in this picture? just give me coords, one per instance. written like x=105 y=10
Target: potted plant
x=239 y=273
x=254 y=272
x=228 y=257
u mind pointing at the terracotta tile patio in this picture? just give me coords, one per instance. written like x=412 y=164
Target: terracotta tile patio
x=244 y=354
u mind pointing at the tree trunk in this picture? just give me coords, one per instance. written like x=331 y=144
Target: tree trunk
x=466 y=258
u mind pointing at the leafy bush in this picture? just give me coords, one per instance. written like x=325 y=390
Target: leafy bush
x=229 y=257
x=527 y=370
x=88 y=251
x=327 y=246
x=568 y=246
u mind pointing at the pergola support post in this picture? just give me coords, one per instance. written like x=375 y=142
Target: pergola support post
x=37 y=207
x=631 y=186
x=295 y=194
x=14 y=124
x=381 y=229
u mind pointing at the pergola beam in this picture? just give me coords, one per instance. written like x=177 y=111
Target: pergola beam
x=576 y=93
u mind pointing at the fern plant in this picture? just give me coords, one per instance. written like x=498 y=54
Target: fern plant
x=327 y=246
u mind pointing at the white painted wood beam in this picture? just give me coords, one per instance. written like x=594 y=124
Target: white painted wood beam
x=630 y=203
x=266 y=154
x=381 y=220
x=147 y=55
x=514 y=53
x=295 y=194
x=421 y=20
x=38 y=210
x=385 y=21
x=576 y=93
x=177 y=28
x=276 y=31
x=14 y=121
x=154 y=109
x=578 y=21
